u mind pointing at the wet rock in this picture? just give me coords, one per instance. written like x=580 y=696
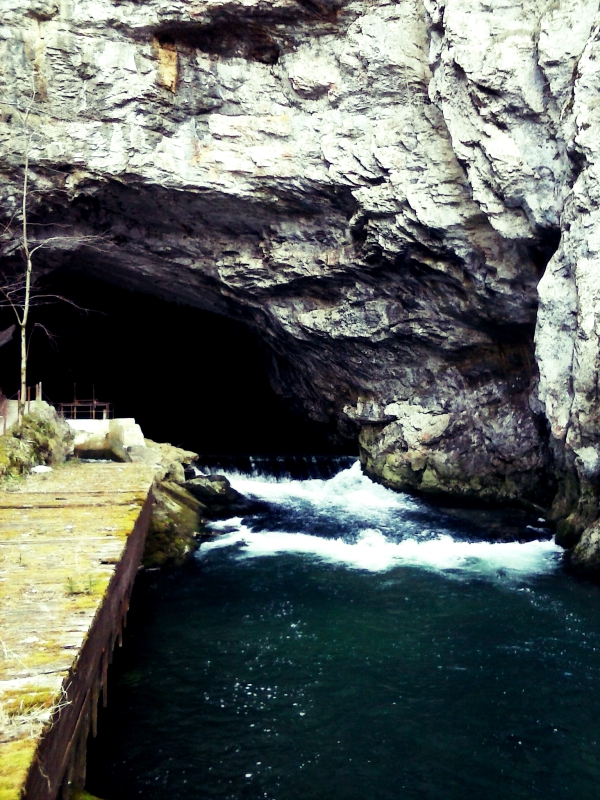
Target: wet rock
x=496 y=524
x=175 y=526
x=177 y=522
x=585 y=557
x=220 y=498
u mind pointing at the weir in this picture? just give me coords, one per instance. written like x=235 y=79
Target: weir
x=71 y=541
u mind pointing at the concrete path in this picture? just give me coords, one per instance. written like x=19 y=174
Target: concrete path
x=66 y=551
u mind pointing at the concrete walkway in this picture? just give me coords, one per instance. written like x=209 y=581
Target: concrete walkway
x=70 y=545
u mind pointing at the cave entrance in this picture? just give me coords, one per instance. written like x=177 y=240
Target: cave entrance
x=189 y=377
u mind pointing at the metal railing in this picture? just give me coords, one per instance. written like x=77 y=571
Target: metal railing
x=4 y=404
x=76 y=409
x=85 y=409
x=3 y=412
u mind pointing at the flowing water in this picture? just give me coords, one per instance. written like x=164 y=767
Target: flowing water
x=351 y=643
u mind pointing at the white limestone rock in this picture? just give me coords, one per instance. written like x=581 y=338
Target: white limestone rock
x=376 y=189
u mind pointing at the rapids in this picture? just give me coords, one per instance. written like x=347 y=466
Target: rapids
x=350 y=520
x=350 y=642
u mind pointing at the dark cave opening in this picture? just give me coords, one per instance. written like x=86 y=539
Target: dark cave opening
x=189 y=377
x=541 y=252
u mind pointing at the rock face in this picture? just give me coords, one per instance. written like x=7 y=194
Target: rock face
x=377 y=189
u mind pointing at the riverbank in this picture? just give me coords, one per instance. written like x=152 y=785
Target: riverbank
x=71 y=541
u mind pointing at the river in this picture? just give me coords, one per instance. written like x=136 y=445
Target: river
x=352 y=643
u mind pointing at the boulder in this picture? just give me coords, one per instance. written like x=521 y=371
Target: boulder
x=220 y=498
x=585 y=556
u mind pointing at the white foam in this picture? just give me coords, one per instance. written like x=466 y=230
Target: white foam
x=389 y=534
x=348 y=488
x=372 y=551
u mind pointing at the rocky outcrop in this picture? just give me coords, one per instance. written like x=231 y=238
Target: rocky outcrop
x=219 y=498
x=177 y=521
x=168 y=461
x=376 y=189
x=176 y=525
x=181 y=507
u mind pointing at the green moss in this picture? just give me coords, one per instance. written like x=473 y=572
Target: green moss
x=575 y=507
x=174 y=528
x=429 y=481
x=15 y=760
x=396 y=472
x=81 y=794
x=170 y=541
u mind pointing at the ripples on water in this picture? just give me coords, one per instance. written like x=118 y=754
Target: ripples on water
x=350 y=642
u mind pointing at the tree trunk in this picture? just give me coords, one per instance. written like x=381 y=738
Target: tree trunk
x=23 y=326
x=25 y=312
x=23 y=392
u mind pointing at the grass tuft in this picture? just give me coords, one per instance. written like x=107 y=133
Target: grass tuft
x=42 y=438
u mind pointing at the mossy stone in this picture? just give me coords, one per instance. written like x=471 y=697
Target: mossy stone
x=174 y=528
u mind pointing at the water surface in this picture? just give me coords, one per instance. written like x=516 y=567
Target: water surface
x=353 y=643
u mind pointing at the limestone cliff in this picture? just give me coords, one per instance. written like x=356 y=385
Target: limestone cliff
x=399 y=197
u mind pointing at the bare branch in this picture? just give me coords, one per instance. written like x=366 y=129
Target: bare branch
x=13 y=305
x=78 y=240
x=18 y=287
x=10 y=222
x=50 y=336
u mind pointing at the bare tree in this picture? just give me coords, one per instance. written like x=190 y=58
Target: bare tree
x=17 y=284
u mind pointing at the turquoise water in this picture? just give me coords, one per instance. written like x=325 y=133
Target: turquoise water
x=354 y=643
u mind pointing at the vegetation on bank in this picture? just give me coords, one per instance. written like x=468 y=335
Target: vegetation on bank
x=41 y=439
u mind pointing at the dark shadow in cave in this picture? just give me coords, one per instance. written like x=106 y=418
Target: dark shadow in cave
x=188 y=377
